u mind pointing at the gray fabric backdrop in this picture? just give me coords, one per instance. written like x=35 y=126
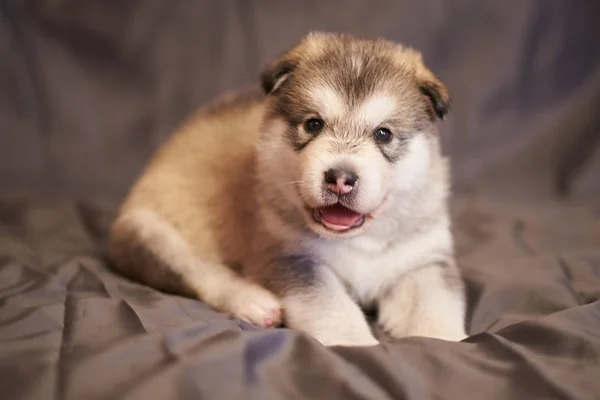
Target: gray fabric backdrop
x=89 y=89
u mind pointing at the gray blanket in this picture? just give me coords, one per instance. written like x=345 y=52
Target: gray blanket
x=89 y=89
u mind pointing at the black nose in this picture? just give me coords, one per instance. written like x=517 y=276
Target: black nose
x=340 y=181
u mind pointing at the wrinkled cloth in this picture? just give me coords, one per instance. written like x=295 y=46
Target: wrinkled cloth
x=88 y=90
x=71 y=329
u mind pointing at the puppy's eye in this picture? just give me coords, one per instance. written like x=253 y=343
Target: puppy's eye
x=383 y=135
x=314 y=125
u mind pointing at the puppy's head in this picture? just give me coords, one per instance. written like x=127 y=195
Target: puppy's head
x=349 y=129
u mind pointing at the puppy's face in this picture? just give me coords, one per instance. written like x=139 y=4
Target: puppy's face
x=348 y=129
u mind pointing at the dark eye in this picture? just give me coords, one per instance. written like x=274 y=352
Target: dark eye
x=314 y=125
x=383 y=135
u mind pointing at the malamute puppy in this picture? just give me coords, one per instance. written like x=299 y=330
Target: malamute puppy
x=322 y=193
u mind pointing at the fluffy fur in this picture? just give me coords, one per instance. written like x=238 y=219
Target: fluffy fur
x=230 y=210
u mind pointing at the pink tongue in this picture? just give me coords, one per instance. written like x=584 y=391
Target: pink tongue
x=340 y=215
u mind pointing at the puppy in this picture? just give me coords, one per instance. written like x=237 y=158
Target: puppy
x=318 y=195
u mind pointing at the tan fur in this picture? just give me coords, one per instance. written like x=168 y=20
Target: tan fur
x=223 y=211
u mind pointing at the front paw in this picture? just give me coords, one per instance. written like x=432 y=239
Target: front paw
x=349 y=339
x=350 y=343
x=256 y=305
x=448 y=333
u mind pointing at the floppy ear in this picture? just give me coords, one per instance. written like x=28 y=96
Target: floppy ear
x=429 y=84
x=276 y=73
x=437 y=94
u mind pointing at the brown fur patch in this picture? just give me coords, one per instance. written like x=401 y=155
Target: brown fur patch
x=135 y=259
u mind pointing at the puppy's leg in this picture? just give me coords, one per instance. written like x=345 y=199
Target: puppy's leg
x=315 y=301
x=427 y=302
x=149 y=249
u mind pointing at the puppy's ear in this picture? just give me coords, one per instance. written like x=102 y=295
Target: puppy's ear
x=437 y=94
x=277 y=72
x=430 y=86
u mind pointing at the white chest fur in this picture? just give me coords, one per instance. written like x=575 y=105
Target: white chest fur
x=368 y=266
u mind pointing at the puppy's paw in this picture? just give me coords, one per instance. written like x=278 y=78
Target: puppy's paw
x=447 y=333
x=257 y=306
x=368 y=342
x=354 y=338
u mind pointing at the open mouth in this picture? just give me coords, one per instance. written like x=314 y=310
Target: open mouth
x=338 y=218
